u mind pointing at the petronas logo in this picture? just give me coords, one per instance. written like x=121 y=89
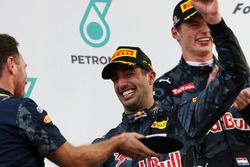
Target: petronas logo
x=93 y=27
x=30 y=85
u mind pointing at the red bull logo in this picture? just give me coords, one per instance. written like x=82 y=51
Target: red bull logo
x=173 y=161
x=140 y=114
x=120 y=159
x=230 y=123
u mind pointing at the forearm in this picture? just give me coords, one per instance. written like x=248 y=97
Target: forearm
x=97 y=153
x=230 y=55
x=127 y=144
x=222 y=91
x=85 y=156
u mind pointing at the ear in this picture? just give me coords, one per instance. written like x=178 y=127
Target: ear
x=152 y=76
x=10 y=64
x=175 y=33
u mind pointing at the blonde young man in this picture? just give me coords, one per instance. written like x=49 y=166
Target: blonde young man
x=197 y=25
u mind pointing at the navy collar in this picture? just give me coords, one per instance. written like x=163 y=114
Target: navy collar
x=141 y=115
x=6 y=92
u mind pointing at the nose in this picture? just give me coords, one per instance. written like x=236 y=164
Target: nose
x=205 y=29
x=120 y=83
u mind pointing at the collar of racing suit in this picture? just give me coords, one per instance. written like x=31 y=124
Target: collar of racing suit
x=5 y=92
x=141 y=115
x=198 y=69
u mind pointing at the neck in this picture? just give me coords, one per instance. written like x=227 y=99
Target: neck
x=135 y=109
x=6 y=84
x=197 y=57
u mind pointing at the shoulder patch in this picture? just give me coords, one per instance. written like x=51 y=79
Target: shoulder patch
x=46 y=119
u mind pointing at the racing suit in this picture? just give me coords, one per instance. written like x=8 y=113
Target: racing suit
x=227 y=143
x=27 y=134
x=189 y=120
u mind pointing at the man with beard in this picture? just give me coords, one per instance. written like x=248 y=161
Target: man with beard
x=132 y=74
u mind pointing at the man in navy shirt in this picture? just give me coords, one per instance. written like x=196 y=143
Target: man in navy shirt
x=27 y=134
x=227 y=142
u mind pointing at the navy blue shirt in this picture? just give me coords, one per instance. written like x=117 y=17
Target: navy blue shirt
x=27 y=134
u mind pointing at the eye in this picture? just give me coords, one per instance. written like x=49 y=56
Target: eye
x=128 y=72
x=194 y=24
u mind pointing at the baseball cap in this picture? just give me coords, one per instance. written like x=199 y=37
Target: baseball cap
x=183 y=11
x=128 y=55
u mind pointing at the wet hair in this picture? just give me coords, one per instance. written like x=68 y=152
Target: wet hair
x=8 y=47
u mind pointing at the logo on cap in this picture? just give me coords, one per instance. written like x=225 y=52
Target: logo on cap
x=186 y=6
x=127 y=55
x=183 y=11
x=124 y=52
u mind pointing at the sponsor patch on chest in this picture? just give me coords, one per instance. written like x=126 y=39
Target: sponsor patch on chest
x=183 y=88
x=160 y=125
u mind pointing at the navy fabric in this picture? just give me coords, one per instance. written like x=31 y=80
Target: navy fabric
x=190 y=119
x=227 y=143
x=27 y=135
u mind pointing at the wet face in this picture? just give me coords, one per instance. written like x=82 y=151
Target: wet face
x=195 y=39
x=133 y=87
x=20 y=76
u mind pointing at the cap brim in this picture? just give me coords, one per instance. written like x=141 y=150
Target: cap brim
x=190 y=15
x=162 y=143
x=108 y=70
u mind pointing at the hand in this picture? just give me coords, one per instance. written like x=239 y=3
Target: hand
x=243 y=99
x=213 y=74
x=133 y=148
x=209 y=9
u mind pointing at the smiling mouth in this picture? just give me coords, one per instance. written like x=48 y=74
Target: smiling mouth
x=128 y=93
x=207 y=39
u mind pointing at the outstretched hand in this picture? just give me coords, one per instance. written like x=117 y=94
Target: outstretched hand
x=133 y=148
x=209 y=9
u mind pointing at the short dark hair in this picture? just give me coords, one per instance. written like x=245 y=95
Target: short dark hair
x=8 y=47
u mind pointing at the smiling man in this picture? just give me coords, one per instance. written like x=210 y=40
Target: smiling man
x=28 y=135
x=132 y=74
x=197 y=26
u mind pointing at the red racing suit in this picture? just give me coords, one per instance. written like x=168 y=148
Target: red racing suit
x=228 y=141
x=190 y=120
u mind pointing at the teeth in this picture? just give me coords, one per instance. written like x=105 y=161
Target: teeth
x=128 y=92
x=203 y=39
